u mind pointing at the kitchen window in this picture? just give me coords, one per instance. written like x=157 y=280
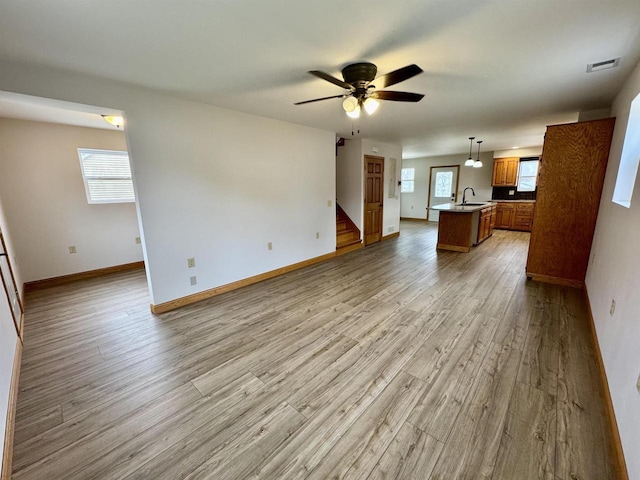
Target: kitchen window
x=106 y=175
x=408 y=177
x=527 y=175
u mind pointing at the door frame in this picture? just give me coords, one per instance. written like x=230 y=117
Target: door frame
x=429 y=189
x=364 y=199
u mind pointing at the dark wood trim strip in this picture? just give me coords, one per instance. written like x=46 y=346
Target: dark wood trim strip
x=390 y=236
x=196 y=297
x=620 y=465
x=74 y=277
x=555 y=280
x=453 y=248
x=7 y=458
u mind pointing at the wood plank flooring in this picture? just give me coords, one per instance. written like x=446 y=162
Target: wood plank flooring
x=392 y=362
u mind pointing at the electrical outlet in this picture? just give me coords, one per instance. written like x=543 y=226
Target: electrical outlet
x=72 y=249
x=612 y=310
x=329 y=203
x=390 y=229
x=411 y=207
x=512 y=192
x=193 y=280
x=191 y=262
x=317 y=234
x=269 y=246
x=138 y=241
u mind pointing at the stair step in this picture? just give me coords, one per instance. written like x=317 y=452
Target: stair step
x=347 y=243
x=345 y=236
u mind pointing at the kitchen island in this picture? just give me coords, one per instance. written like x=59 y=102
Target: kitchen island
x=462 y=226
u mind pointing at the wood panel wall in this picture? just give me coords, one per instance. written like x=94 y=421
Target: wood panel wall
x=574 y=162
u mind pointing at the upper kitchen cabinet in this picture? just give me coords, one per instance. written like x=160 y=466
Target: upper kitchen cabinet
x=505 y=172
x=570 y=179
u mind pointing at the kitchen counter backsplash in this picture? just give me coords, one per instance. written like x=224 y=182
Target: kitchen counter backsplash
x=502 y=193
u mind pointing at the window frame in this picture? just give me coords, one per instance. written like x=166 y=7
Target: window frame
x=534 y=177
x=85 y=178
x=408 y=182
x=629 y=158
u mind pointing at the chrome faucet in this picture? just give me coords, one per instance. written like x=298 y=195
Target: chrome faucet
x=464 y=193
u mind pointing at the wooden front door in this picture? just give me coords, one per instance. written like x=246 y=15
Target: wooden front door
x=373 y=193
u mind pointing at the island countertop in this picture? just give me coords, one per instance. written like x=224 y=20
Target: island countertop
x=457 y=208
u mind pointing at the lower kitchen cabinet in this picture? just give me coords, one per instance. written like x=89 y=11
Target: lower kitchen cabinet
x=504 y=215
x=515 y=215
x=486 y=223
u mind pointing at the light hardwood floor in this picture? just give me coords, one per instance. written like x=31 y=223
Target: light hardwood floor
x=391 y=362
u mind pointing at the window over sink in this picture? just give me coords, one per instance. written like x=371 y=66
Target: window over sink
x=527 y=175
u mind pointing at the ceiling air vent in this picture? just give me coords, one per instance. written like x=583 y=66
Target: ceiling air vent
x=595 y=67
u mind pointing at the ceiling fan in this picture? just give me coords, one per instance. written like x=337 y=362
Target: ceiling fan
x=361 y=84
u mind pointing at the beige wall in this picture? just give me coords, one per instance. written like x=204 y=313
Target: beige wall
x=477 y=178
x=614 y=273
x=46 y=207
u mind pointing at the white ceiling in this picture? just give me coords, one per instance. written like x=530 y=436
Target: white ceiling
x=500 y=70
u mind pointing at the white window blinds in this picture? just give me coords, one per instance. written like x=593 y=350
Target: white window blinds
x=107 y=176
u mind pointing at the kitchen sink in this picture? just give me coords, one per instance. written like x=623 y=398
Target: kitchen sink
x=470 y=204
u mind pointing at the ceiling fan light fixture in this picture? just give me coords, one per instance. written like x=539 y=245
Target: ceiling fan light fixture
x=371 y=105
x=355 y=113
x=350 y=104
x=115 y=120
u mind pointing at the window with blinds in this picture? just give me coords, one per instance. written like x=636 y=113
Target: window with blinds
x=107 y=176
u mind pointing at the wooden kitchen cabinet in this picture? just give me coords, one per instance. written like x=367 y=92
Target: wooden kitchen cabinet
x=572 y=170
x=505 y=172
x=505 y=213
x=523 y=218
x=515 y=215
x=486 y=222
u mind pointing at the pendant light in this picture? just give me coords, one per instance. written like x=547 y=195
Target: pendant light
x=470 y=162
x=478 y=163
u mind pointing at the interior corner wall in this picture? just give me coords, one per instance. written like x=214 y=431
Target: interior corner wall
x=477 y=178
x=391 y=205
x=46 y=206
x=211 y=183
x=350 y=181
x=614 y=273
x=8 y=339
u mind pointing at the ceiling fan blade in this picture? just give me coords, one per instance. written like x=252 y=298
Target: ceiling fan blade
x=329 y=78
x=318 y=99
x=397 y=96
x=397 y=76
